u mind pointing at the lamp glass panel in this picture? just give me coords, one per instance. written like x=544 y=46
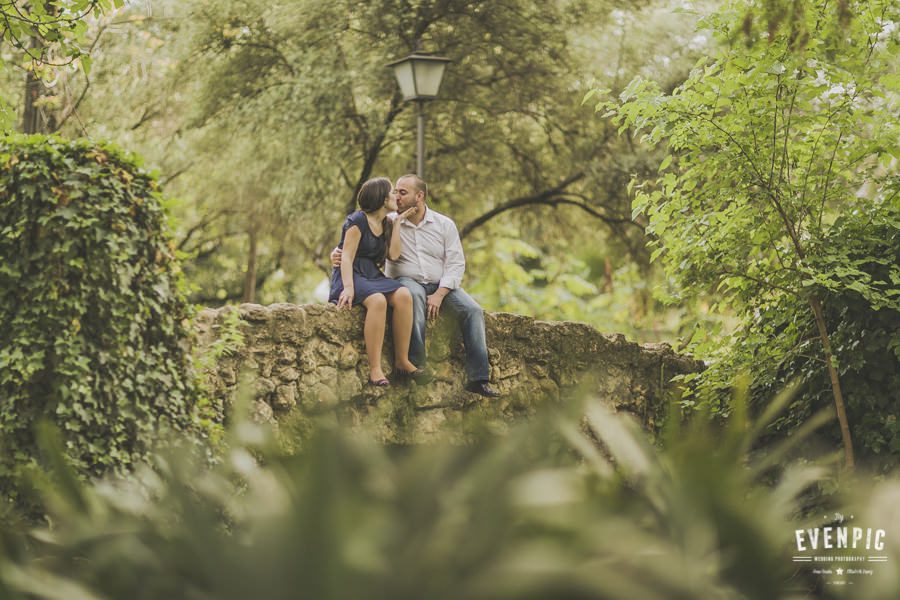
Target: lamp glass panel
x=404 y=73
x=428 y=76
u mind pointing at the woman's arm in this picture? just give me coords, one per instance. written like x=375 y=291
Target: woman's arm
x=351 y=244
x=395 y=246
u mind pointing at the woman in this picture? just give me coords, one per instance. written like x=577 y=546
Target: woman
x=359 y=279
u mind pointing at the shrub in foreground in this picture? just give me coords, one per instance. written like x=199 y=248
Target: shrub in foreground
x=543 y=512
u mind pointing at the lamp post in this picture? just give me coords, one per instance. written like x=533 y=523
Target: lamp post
x=419 y=76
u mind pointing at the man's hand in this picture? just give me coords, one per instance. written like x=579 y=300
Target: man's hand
x=433 y=304
x=336 y=257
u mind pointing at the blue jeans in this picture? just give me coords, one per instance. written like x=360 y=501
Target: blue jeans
x=471 y=321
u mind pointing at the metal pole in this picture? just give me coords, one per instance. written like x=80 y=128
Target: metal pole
x=420 y=139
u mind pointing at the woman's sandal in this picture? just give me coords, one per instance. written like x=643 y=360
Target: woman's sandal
x=383 y=382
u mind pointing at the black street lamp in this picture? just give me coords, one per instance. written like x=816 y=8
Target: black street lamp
x=419 y=76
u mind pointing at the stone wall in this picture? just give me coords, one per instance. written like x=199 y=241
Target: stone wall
x=302 y=361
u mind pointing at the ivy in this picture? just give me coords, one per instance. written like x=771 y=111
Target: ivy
x=92 y=317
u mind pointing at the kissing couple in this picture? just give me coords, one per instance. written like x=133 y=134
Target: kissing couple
x=423 y=264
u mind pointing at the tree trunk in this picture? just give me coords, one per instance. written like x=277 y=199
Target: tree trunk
x=250 y=278
x=849 y=461
x=608 y=274
x=37 y=119
x=30 y=113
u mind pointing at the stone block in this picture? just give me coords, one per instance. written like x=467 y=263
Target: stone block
x=264 y=387
x=285 y=397
x=286 y=355
x=288 y=374
x=348 y=356
x=254 y=312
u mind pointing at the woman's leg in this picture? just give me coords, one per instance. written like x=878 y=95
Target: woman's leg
x=373 y=332
x=402 y=303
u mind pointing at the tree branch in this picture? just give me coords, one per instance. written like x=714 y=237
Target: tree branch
x=828 y=178
x=762 y=283
x=776 y=203
x=374 y=150
x=165 y=181
x=146 y=116
x=201 y=225
x=71 y=110
x=774 y=132
x=87 y=84
x=556 y=196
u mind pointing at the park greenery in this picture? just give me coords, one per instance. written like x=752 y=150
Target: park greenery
x=94 y=320
x=780 y=191
x=553 y=509
x=718 y=175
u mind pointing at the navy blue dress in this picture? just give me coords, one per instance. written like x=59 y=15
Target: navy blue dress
x=367 y=276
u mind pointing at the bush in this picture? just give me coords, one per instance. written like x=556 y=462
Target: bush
x=539 y=513
x=92 y=321
x=779 y=346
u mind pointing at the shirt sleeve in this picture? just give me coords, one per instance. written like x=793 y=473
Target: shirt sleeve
x=454 y=259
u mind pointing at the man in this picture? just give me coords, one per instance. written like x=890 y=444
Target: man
x=431 y=266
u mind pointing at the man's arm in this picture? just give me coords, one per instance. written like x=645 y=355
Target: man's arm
x=454 y=259
x=454 y=269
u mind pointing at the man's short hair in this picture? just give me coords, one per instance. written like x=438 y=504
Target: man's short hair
x=418 y=183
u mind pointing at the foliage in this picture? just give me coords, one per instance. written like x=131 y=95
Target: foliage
x=266 y=64
x=539 y=513
x=92 y=316
x=210 y=406
x=47 y=36
x=512 y=275
x=265 y=115
x=58 y=27
x=769 y=17
x=779 y=345
x=777 y=153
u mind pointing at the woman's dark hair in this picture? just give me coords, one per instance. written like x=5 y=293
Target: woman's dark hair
x=373 y=193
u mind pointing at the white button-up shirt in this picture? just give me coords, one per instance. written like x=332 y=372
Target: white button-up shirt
x=432 y=252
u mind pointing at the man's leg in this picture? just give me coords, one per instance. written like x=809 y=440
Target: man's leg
x=417 y=341
x=471 y=320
